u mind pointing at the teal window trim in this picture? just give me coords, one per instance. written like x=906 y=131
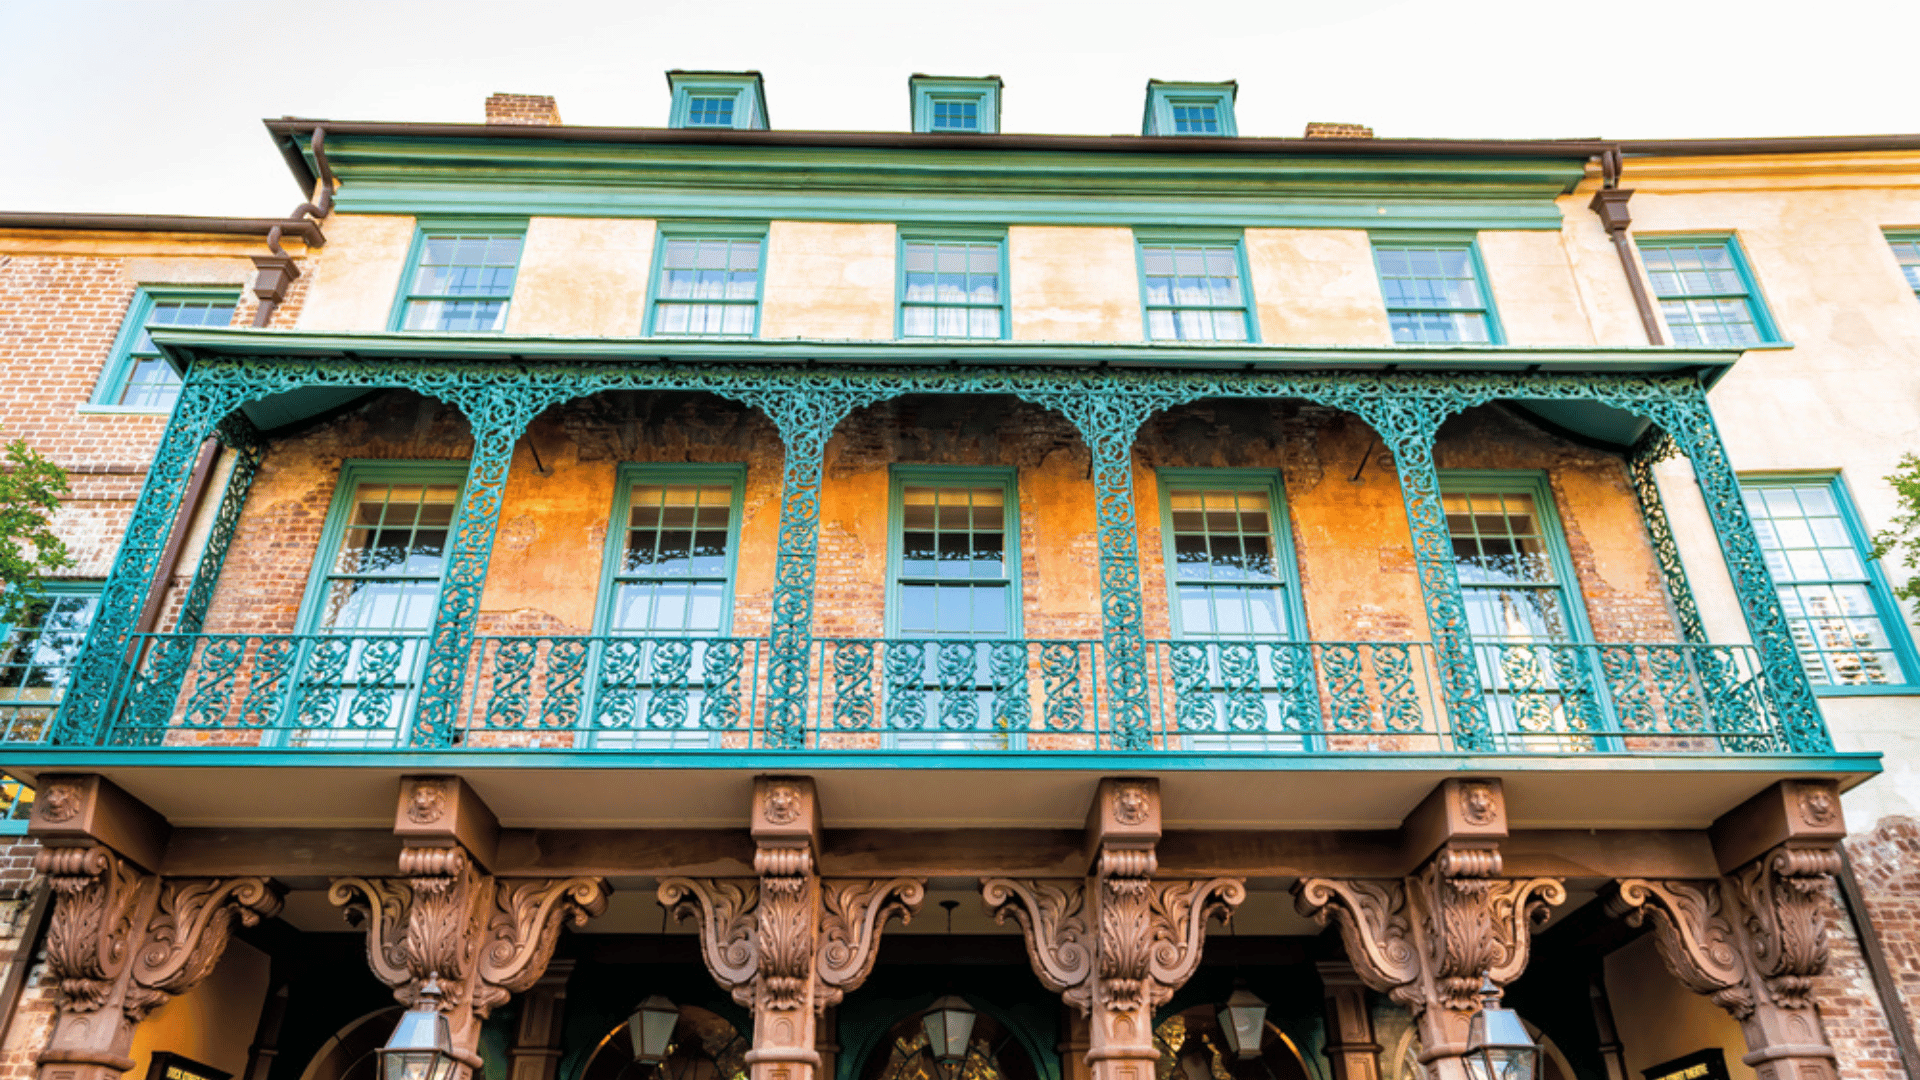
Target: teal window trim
x=1267 y=481
x=1892 y=618
x=707 y=230
x=632 y=473
x=353 y=473
x=1470 y=242
x=112 y=383
x=1763 y=324
x=911 y=234
x=21 y=668
x=424 y=229
x=1144 y=238
x=1163 y=98
x=900 y=477
x=1905 y=245
x=983 y=93
x=16 y=803
x=745 y=90
x=1536 y=484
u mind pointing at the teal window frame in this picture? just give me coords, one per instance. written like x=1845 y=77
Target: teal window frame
x=1892 y=618
x=1266 y=481
x=353 y=473
x=927 y=92
x=16 y=805
x=112 y=384
x=734 y=476
x=669 y=231
x=1164 y=97
x=1470 y=243
x=901 y=477
x=908 y=235
x=746 y=89
x=9 y=705
x=1763 y=325
x=425 y=230
x=1908 y=260
x=1145 y=238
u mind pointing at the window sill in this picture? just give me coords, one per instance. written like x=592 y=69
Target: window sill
x=1766 y=346
x=1889 y=690
x=122 y=410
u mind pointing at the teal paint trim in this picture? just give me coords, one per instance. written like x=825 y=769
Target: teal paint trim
x=1145 y=236
x=1900 y=633
x=1007 y=478
x=1163 y=96
x=431 y=226
x=923 y=91
x=1756 y=300
x=905 y=235
x=717 y=230
x=354 y=472
x=113 y=374
x=1270 y=481
x=746 y=90
x=1379 y=238
x=631 y=473
x=1903 y=236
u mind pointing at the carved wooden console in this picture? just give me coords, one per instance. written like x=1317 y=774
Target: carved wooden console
x=789 y=944
x=1120 y=942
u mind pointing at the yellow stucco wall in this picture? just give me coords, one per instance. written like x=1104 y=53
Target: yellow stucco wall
x=1533 y=289
x=830 y=280
x=1073 y=284
x=583 y=277
x=214 y=1022
x=1659 y=1019
x=1316 y=287
x=357 y=275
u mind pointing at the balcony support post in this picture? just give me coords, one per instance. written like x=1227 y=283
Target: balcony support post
x=1117 y=944
x=1689 y=422
x=1408 y=425
x=1648 y=452
x=85 y=712
x=238 y=434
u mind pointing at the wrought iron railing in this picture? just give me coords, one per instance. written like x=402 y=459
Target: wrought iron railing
x=358 y=692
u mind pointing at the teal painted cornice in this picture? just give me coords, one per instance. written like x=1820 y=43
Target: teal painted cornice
x=392 y=174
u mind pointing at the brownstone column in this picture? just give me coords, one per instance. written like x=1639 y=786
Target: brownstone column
x=445 y=917
x=788 y=944
x=535 y=1054
x=1118 y=943
x=1351 y=1049
x=122 y=940
x=1430 y=939
x=1754 y=938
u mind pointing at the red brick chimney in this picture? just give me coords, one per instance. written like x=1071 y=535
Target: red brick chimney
x=536 y=109
x=1317 y=130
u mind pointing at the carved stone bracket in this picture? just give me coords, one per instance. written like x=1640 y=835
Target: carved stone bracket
x=122 y=942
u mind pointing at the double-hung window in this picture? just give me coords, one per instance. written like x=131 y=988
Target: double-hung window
x=1191 y=109
x=371 y=600
x=1843 y=618
x=1906 y=251
x=707 y=284
x=953 y=590
x=670 y=676
x=948 y=105
x=1241 y=679
x=1706 y=291
x=1435 y=291
x=460 y=279
x=37 y=655
x=136 y=376
x=953 y=287
x=1195 y=289
x=1524 y=610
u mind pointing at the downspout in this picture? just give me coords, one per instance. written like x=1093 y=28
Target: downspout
x=277 y=271
x=1610 y=203
x=1892 y=1006
x=170 y=558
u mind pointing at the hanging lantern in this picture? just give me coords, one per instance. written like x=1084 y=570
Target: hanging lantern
x=1243 y=1020
x=421 y=1047
x=651 y=1028
x=1498 y=1047
x=949 y=1024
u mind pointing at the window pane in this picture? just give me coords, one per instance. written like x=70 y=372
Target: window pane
x=1225 y=535
x=1702 y=295
x=1193 y=292
x=1824 y=586
x=674 y=570
x=723 y=272
x=953 y=572
x=1433 y=294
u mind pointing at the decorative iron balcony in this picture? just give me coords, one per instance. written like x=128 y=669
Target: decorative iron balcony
x=620 y=693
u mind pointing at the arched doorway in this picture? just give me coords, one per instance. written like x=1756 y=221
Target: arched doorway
x=349 y=1055
x=1192 y=1048
x=705 y=1046
x=993 y=1053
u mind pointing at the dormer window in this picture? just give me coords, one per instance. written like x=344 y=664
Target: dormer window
x=1189 y=109
x=945 y=106
x=723 y=100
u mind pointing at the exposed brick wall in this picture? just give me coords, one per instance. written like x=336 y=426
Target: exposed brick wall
x=1850 y=1008
x=1886 y=861
x=537 y=109
x=32 y=1022
x=1320 y=130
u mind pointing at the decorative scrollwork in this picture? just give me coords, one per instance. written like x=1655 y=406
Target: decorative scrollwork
x=851 y=915
x=727 y=927
x=1696 y=936
x=90 y=934
x=1053 y=922
x=1374 y=925
x=1784 y=897
x=188 y=931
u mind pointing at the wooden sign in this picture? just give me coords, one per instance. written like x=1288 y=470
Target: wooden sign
x=1708 y=1064
x=171 y=1066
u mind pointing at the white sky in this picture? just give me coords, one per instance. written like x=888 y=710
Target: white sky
x=153 y=106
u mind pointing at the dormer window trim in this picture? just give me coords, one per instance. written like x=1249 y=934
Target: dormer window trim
x=929 y=93
x=717 y=100
x=1172 y=108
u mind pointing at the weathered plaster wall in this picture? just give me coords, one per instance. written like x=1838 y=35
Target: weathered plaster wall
x=1533 y=288
x=831 y=280
x=583 y=277
x=356 y=278
x=1074 y=284
x=1659 y=1019
x=1316 y=287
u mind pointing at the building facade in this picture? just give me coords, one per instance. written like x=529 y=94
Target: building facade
x=786 y=583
